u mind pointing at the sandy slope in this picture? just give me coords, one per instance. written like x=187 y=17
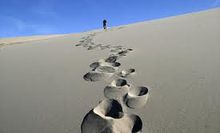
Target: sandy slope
x=42 y=89
x=17 y=40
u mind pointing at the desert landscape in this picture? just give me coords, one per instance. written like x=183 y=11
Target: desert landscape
x=159 y=76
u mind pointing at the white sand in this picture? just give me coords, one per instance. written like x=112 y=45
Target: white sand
x=42 y=89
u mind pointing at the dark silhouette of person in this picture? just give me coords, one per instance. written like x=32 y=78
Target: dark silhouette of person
x=105 y=24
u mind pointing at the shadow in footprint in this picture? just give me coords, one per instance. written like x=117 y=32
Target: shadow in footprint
x=107 y=69
x=122 y=53
x=137 y=97
x=105 y=66
x=117 y=89
x=119 y=82
x=101 y=118
x=107 y=116
x=95 y=76
x=111 y=59
x=126 y=73
x=137 y=123
x=94 y=65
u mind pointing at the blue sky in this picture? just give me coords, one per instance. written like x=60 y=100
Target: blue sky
x=33 y=17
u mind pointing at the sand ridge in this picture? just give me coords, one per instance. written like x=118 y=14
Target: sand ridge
x=111 y=113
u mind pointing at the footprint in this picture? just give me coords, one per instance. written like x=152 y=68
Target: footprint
x=94 y=65
x=85 y=45
x=78 y=44
x=117 y=89
x=116 y=64
x=137 y=97
x=94 y=47
x=111 y=59
x=115 y=50
x=116 y=93
x=96 y=76
x=108 y=65
x=108 y=117
x=137 y=123
x=104 y=47
x=107 y=69
x=122 y=53
x=125 y=73
x=109 y=108
x=130 y=49
x=101 y=117
x=91 y=47
x=119 y=82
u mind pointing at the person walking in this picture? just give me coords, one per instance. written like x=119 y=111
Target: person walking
x=105 y=24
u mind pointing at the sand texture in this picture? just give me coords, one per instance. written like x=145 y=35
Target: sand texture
x=160 y=76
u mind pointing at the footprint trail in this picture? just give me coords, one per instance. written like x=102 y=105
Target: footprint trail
x=113 y=113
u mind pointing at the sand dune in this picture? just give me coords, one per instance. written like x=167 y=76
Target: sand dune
x=17 y=40
x=160 y=76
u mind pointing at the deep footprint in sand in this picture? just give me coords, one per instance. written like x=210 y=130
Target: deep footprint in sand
x=107 y=69
x=103 y=47
x=108 y=117
x=111 y=59
x=130 y=49
x=122 y=53
x=119 y=82
x=96 y=76
x=116 y=49
x=126 y=73
x=87 y=42
x=137 y=97
x=93 y=47
x=78 y=44
x=117 y=89
x=96 y=65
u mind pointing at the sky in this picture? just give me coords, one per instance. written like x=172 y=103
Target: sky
x=39 y=17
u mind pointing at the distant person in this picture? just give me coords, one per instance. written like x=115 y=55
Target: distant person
x=105 y=24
